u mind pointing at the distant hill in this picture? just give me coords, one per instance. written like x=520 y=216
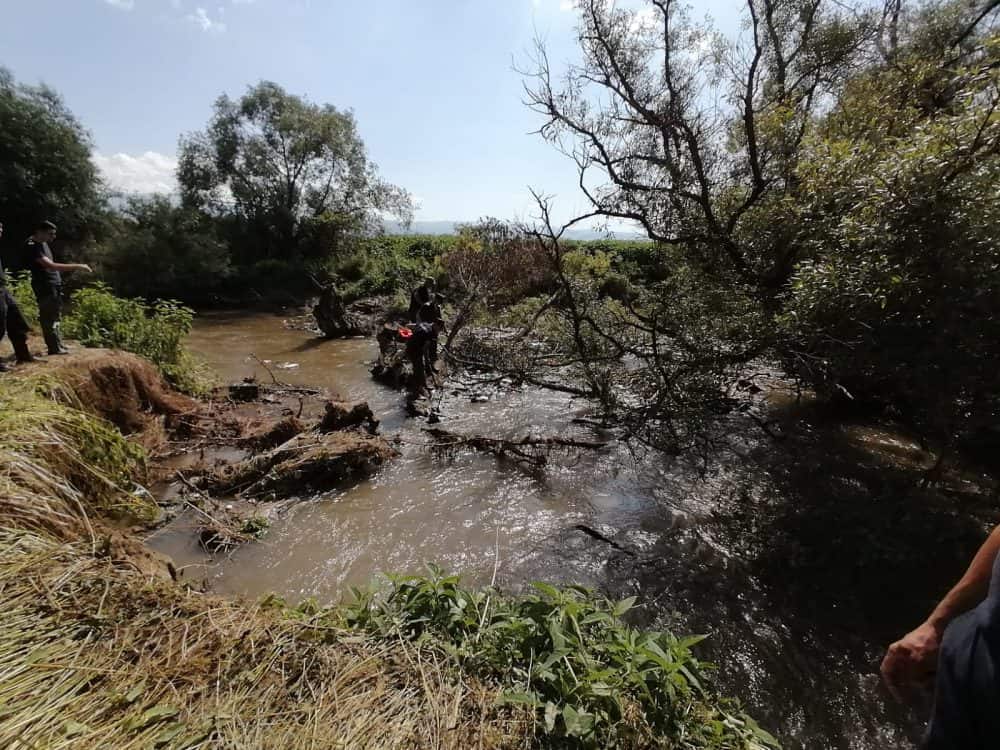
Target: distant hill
x=449 y=227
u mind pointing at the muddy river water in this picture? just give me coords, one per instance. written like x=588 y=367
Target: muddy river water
x=797 y=616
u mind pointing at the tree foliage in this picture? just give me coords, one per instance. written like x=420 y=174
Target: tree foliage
x=158 y=250
x=289 y=177
x=45 y=167
x=822 y=189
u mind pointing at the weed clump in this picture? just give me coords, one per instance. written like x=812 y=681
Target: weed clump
x=590 y=680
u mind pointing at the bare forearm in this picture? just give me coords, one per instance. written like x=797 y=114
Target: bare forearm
x=971 y=588
x=65 y=266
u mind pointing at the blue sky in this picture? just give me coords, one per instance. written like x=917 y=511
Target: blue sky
x=430 y=81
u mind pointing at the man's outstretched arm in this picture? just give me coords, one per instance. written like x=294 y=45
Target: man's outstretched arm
x=50 y=265
x=913 y=658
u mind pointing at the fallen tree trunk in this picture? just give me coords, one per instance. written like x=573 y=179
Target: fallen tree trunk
x=531 y=450
x=333 y=318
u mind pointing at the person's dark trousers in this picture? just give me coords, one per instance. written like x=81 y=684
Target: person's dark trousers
x=49 y=314
x=432 y=353
x=967 y=690
x=418 y=380
x=12 y=323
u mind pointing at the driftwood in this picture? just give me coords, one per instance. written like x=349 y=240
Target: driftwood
x=531 y=450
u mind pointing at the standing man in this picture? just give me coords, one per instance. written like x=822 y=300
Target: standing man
x=47 y=283
x=12 y=322
x=418 y=351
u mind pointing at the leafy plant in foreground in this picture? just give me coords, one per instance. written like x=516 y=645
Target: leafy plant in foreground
x=592 y=680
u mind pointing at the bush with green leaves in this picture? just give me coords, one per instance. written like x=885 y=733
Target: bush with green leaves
x=19 y=285
x=592 y=680
x=155 y=331
x=376 y=266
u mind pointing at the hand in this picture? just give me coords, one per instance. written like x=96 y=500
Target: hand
x=84 y=267
x=911 y=661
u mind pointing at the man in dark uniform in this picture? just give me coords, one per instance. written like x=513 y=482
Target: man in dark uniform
x=423 y=336
x=47 y=283
x=961 y=640
x=424 y=295
x=12 y=322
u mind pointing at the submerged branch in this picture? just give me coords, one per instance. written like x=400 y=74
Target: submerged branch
x=529 y=449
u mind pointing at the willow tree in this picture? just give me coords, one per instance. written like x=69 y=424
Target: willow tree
x=290 y=176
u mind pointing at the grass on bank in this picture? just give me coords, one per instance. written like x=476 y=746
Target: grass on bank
x=95 y=653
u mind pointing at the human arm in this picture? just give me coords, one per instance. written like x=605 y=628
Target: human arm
x=913 y=658
x=50 y=265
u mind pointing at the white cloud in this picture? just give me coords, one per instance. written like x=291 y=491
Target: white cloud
x=201 y=19
x=567 y=4
x=121 y=4
x=151 y=172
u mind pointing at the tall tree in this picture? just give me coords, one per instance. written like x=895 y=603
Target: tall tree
x=289 y=175
x=45 y=167
x=822 y=187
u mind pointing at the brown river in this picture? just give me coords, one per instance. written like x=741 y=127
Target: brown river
x=790 y=558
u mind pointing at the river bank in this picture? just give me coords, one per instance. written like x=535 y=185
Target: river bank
x=114 y=653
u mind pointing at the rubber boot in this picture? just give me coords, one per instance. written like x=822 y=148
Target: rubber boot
x=21 y=351
x=4 y=367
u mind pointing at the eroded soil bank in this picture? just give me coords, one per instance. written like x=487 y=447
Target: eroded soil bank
x=233 y=459
x=801 y=553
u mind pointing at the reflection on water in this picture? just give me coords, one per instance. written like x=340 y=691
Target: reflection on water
x=751 y=555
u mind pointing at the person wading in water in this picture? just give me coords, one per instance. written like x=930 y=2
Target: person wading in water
x=425 y=294
x=421 y=345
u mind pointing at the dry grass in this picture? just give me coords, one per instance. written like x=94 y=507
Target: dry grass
x=61 y=465
x=96 y=654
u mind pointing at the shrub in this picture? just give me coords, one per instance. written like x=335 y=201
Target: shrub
x=159 y=250
x=377 y=266
x=592 y=680
x=156 y=332
x=20 y=287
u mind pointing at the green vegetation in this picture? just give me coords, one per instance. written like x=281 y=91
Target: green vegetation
x=99 y=318
x=45 y=168
x=59 y=458
x=158 y=250
x=288 y=179
x=19 y=285
x=591 y=680
x=156 y=331
x=820 y=192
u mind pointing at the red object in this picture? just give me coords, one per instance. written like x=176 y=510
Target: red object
x=405 y=333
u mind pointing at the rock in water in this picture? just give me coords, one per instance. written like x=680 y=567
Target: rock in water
x=245 y=391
